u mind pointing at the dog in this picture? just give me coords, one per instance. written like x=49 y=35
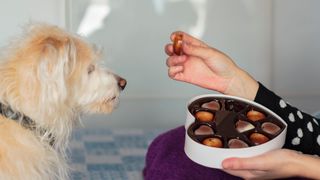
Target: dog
x=49 y=78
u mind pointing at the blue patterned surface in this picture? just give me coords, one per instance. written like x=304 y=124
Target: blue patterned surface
x=103 y=154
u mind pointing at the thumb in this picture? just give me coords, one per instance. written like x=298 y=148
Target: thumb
x=255 y=163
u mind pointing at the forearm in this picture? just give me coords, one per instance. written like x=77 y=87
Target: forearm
x=242 y=85
x=308 y=166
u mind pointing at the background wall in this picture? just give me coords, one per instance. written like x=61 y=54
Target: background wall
x=15 y=14
x=296 y=52
x=134 y=32
x=275 y=41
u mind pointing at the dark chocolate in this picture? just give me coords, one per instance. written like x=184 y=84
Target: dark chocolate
x=270 y=128
x=203 y=130
x=237 y=143
x=212 y=105
x=236 y=124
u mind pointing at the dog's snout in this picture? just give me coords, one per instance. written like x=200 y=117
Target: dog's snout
x=122 y=83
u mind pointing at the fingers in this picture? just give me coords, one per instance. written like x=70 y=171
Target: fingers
x=175 y=72
x=175 y=60
x=169 y=49
x=199 y=51
x=243 y=174
x=255 y=163
x=191 y=46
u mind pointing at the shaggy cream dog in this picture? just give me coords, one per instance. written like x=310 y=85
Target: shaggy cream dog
x=48 y=79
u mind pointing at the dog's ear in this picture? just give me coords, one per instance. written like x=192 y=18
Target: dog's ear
x=57 y=56
x=57 y=60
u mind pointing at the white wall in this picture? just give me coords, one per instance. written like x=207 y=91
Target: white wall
x=296 y=42
x=297 y=47
x=134 y=33
x=15 y=14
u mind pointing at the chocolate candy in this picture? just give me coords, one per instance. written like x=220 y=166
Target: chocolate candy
x=243 y=126
x=270 y=128
x=177 y=44
x=213 y=142
x=204 y=116
x=212 y=105
x=237 y=143
x=258 y=138
x=203 y=130
x=255 y=115
x=231 y=123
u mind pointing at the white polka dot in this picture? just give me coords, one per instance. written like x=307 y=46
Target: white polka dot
x=291 y=117
x=300 y=133
x=282 y=104
x=318 y=140
x=299 y=114
x=315 y=121
x=295 y=141
x=310 y=127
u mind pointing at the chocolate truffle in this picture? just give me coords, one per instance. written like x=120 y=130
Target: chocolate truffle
x=213 y=105
x=255 y=115
x=212 y=142
x=257 y=138
x=243 y=126
x=237 y=143
x=177 y=44
x=203 y=130
x=204 y=116
x=270 y=128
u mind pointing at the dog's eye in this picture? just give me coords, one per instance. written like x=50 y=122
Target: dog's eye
x=91 y=68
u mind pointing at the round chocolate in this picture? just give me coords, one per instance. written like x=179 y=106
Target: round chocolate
x=255 y=115
x=237 y=143
x=204 y=116
x=204 y=130
x=270 y=128
x=243 y=126
x=257 y=138
x=213 y=142
x=213 y=105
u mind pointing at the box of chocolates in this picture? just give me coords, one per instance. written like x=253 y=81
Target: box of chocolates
x=220 y=126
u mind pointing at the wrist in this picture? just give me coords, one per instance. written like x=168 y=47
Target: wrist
x=242 y=85
x=307 y=166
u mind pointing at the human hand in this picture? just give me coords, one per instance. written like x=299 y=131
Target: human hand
x=209 y=68
x=280 y=163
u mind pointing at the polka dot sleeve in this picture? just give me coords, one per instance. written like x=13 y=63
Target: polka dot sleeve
x=303 y=133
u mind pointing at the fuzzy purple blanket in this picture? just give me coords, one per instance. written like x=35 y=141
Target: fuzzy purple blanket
x=166 y=160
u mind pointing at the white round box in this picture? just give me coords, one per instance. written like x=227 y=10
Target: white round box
x=212 y=157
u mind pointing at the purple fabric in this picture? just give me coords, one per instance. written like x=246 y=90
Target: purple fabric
x=166 y=160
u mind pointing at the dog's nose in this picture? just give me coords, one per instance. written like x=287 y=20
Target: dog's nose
x=122 y=83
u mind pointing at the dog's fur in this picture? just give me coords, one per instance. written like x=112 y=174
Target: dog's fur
x=51 y=77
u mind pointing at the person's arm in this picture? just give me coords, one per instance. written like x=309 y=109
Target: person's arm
x=209 y=68
x=303 y=133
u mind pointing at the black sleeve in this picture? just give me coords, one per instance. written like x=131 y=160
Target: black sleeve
x=303 y=133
